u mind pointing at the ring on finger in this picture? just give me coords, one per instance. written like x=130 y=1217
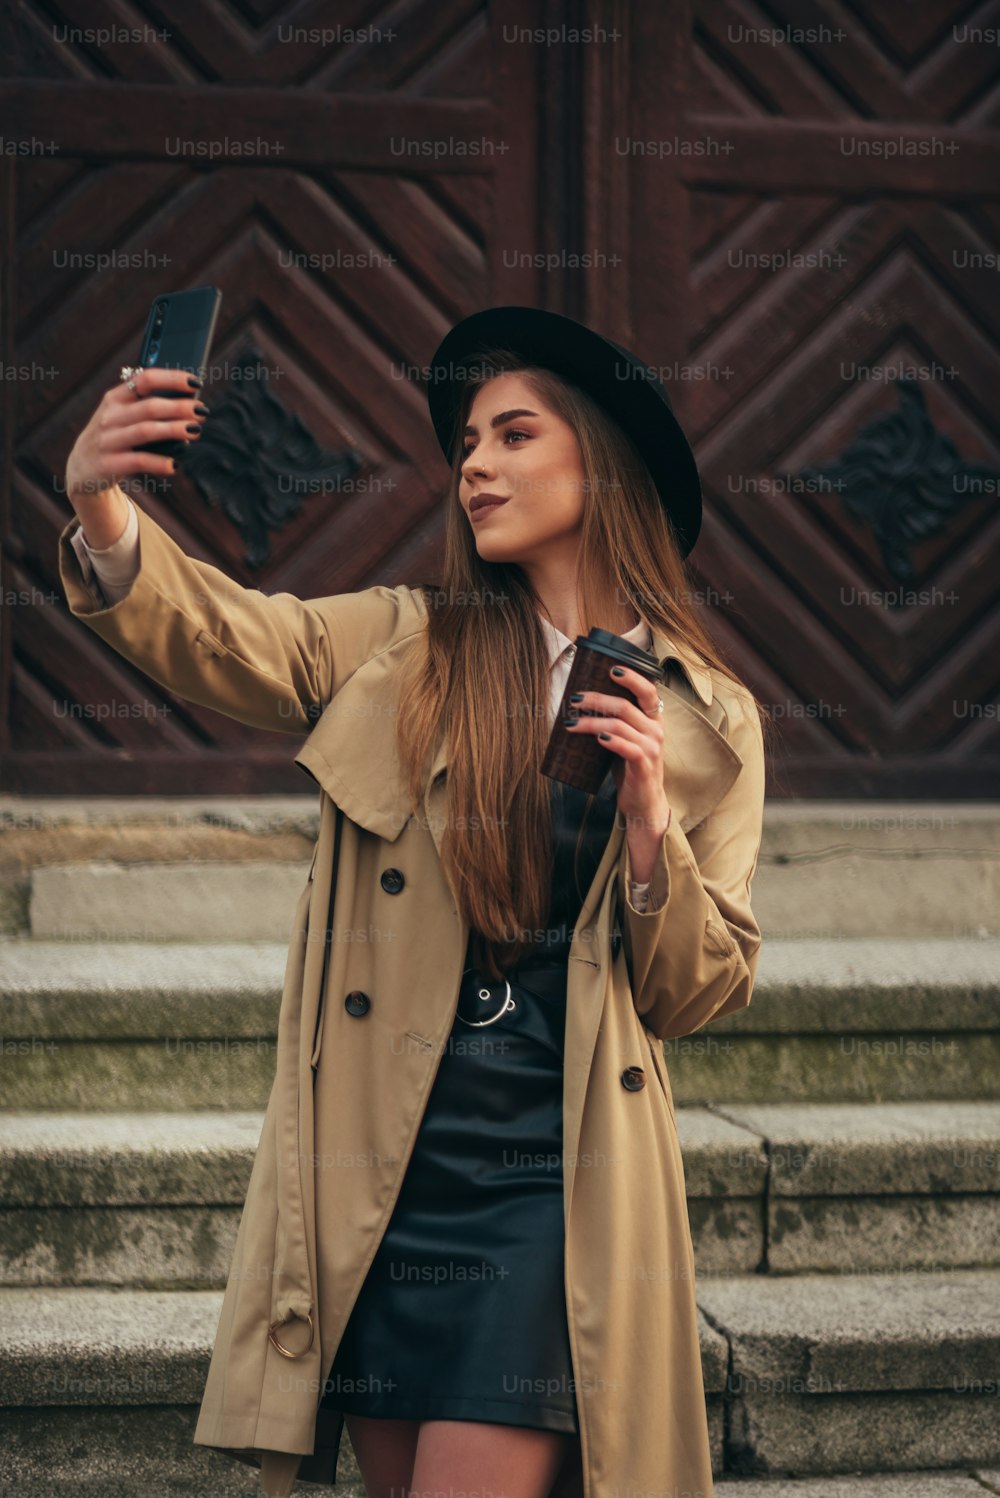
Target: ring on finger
x=128 y=375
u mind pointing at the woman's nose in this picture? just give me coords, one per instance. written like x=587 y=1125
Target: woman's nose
x=475 y=467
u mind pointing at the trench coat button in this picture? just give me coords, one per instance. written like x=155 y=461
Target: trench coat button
x=633 y=1078
x=392 y=881
x=357 y=1002
x=616 y=941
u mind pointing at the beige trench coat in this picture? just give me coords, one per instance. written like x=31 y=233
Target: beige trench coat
x=352 y=1079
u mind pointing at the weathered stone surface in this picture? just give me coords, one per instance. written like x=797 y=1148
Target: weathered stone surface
x=127 y=1159
x=843 y=1334
x=866 y=1234
x=842 y=869
x=869 y=1029
x=136 y=1451
x=846 y=1373
x=840 y=1149
x=177 y=1248
x=150 y=902
x=826 y=869
x=133 y=990
x=105 y=1347
x=852 y=1126
x=872 y=984
x=925 y=1483
x=861 y=1433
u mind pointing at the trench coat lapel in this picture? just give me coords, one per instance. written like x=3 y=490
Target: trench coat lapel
x=352 y=749
x=351 y=753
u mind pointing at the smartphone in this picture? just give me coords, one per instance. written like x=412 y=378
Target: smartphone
x=179 y=333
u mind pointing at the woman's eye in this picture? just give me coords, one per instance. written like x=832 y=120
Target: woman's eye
x=468 y=446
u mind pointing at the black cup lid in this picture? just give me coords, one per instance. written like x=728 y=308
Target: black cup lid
x=625 y=651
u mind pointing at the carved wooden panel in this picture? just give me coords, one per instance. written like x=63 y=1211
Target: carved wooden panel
x=339 y=182
x=816 y=191
x=789 y=212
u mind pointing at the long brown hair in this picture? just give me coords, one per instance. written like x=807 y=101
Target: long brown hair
x=482 y=672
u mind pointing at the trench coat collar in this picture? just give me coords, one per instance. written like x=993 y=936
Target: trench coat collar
x=351 y=750
x=559 y=643
x=662 y=647
x=655 y=642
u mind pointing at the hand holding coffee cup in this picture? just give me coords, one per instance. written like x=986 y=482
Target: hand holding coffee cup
x=577 y=755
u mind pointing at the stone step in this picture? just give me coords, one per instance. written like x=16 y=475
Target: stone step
x=153 y=1200
x=37 y=832
x=961 y=1482
x=99 y=1025
x=825 y=1374
x=141 y=1475
x=826 y=868
x=139 y=1025
x=89 y=1377
x=852 y=1020
x=99 y=1395
x=850 y=869
x=848 y=1188
x=149 y=902
x=146 y=1200
x=859 y=1373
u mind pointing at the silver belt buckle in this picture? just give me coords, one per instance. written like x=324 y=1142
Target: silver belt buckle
x=509 y=1003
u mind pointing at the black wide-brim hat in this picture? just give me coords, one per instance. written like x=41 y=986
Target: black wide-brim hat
x=626 y=387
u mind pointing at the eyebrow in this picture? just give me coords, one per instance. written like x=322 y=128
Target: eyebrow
x=496 y=421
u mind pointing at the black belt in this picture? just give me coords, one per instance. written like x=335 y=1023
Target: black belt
x=483 y=1000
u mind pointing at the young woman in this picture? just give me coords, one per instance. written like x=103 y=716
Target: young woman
x=516 y=1310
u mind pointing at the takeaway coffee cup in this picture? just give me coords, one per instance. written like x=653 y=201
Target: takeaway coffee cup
x=580 y=759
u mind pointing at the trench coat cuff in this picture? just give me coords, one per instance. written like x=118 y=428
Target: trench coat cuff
x=643 y=929
x=114 y=566
x=79 y=578
x=654 y=892
x=638 y=895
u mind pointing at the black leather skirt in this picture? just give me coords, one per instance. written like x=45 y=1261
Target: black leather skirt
x=462 y=1315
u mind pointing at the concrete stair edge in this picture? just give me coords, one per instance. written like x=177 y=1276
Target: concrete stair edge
x=803 y=1149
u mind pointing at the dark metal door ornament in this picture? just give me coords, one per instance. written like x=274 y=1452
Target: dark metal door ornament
x=258 y=462
x=903 y=478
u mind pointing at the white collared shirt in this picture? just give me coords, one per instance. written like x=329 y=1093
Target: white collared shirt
x=115 y=568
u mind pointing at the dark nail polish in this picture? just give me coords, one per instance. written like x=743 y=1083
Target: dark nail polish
x=617 y=671
x=194 y=382
x=201 y=409
x=576 y=697
x=604 y=735
x=193 y=426
x=569 y=722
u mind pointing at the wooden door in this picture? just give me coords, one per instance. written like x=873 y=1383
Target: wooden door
x=807 y=202
x=761 y=215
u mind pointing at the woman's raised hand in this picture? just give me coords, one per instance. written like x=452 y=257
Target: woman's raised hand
x=105 y=450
